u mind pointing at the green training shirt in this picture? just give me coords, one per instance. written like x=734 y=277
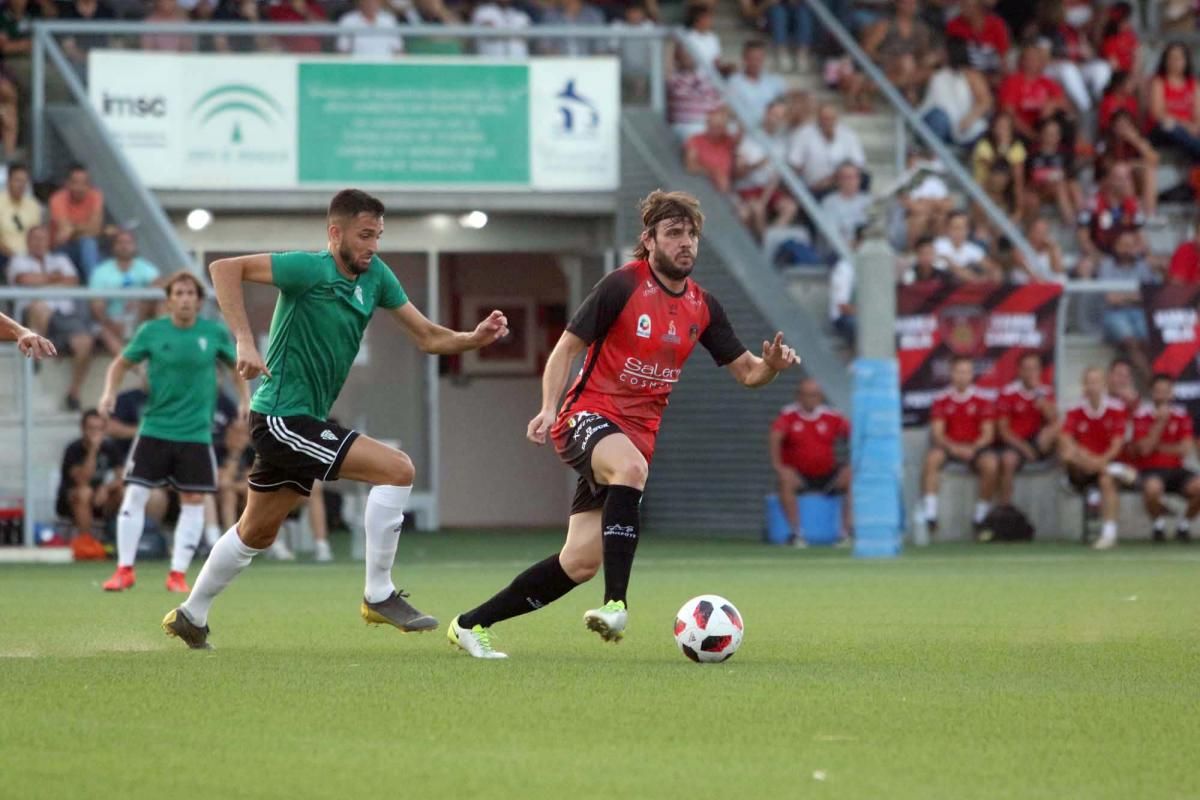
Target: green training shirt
x=182 y=374
x=317 y=328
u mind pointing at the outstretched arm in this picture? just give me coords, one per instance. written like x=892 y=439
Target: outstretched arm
x=438 y=340
x=29 y=343
x=554 y=381
x=227 y=276
x=752 y=371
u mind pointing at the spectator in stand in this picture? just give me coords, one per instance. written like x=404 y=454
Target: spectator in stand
x=60 y=321
x=712 y=152
x=809 y=444
x=957 y=254
x=1001 y=190
x=1162 y=439
x=986 y=36
x=1026 y=424
x=1119 y=41
x=125 y=270
x=637 y=56
x=431 y=12
x=799 y=109
x=962 y=428
x=77 y=219
x=231 y=11
x=843 y=314
x=19 y=212
x=575 y=13
x=89 y=489
x=790 y=25
x=1122 y=143
x=925 y=265
x=1121 y=95
x=77 y=47
x=819 y=147
x=925 y=204
x=1074 y=62
x=1048 y=265
x=370 y=14
x=167 y=11
x=502 y=15
x=903 y=47
x=1121 y=386
x=1114 y=210
x=1000 y=143
x=761 y=199
x=703 y=41
x=691 y=97
x=1093 y=437
x=1029 y=95
x=1124 y=318
x=958 y=99
x=1175 y=103
x=1050 y=174
x=1185 y=261
x=848 y=206
x=753 y=88
x=295 y=11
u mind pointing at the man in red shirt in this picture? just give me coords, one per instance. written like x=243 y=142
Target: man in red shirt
x=985 y=33
x=808 y=443
x=1162 y=438
x=1092 y=438
x=1114 y=210
x=712 y=153
x=1029 y=95
x=1026 y=423
x=962 y=428
x=77 y=219
x=1185 y=262
x=298 y=11
x=638 y=327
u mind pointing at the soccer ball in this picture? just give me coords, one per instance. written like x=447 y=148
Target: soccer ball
x=708 y=628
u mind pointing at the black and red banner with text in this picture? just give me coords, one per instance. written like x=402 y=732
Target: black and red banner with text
x=1174 y=347
x=993 y=324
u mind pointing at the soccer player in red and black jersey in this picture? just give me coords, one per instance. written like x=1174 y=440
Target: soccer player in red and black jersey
x=1162 y=438
x=1093 y=436
x=962 y=428
x=1026 y=428
x=805 y=441
x=638 y=326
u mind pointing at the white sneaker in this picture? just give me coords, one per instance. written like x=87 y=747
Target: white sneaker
x=280 y=551
x=1123 y=473
x=799 y=543
x=1105 y=542
x=324 y=553
x=477 y=641
x=609 y=620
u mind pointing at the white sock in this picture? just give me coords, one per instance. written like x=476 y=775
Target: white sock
x=982 y=508
x=1108 y=530
x=931 y=506
x=229 y=556
x=130 y=523
x=188 y=531
x=383 y=518
x=1160 y=523
x=211 y=534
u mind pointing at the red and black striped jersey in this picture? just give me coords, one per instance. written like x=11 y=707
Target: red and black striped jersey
x=639 y=334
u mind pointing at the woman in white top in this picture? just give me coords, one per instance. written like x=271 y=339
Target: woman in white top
x=957 y=99
x=705 y=45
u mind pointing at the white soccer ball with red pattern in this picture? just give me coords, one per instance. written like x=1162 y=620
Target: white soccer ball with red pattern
x=708 y=628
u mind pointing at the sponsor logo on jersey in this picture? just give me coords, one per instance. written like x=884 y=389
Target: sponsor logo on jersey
x=203 y=342
x=329 y=436
x=643 y=326
x=650 y=289
x=650 y=376
x=671 y=336
x=358 y=295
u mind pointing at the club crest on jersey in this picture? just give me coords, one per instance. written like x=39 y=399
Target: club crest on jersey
x=671 y=337
x=358 y=295
x=643 y=326
x=203 y=342
x=650 y=289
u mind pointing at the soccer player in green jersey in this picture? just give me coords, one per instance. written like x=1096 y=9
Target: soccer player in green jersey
x=325 y=301
x=30 y=344
x=174 y=440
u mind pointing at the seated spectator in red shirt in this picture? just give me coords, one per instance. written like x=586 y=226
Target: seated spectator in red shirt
x=712 y=152
x=986 y=35
x=298 y=11
x=1185 y=262
x=1093 y=436
x=962 y=428
x=1114 y=210
x=1050 y=174
x=809 y=444
x=77 y=219
x=1121 y=95
x=1026 y=424
x=1175 y=103
x=1029 y=95
x=1162 y=438
x=1122 y=142
x=1118 y=40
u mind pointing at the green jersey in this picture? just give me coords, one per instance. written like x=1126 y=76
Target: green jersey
x=182 y=373
x=318 y=326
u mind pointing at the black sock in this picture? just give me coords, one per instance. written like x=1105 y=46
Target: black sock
x=538 y=586
x=619 y=525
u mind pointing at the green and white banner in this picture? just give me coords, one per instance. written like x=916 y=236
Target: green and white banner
x=200 y=121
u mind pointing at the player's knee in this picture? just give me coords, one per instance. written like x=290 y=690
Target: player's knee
x=399 y=470
x=580 y=567
x=135 y=497
x=934 y=457
x=1010 y=461
x=82 y=494
x=631 y=472
x=256 y=534
x=987 y=463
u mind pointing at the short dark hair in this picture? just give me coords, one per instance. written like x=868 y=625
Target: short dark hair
x=1118 y=362
x=17 y=166
x=74 y=167
x=186 y=277
x=753 y=44
x=88 y=414
x=958 y=212
x=1161 y=376
x=924 y=241
x=349 y=203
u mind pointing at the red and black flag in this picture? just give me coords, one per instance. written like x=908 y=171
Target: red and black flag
x=990 y=323
x=1174 y=346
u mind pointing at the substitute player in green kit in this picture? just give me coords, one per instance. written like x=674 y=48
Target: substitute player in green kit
x=174 y=440
x=325 y=301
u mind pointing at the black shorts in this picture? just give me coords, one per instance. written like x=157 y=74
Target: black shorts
x=826 y=483
x=184 y=466
x=973 y=463
x=1081 y=479
x=1032 y=441
x=1175 y=479
x=585 y=430
x=293 y=452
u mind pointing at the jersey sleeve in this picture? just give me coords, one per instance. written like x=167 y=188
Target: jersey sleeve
x=391 y=293
x=938 y=409
x=601 y=308
x=138 y=349
x=718 y=338
x=293 y=272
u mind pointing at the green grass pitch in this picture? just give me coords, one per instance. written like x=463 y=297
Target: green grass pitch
x=957 y=672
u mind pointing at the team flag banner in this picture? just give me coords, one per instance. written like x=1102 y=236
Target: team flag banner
x=992 y=324
x=1174 y=346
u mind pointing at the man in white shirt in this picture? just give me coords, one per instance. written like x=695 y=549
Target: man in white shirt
x=503 y=15
x=370 y=14
x=957 y=254
x=753 y=89
x=58 y=320
x=819 y=147
x=761 y=198
x=847 y=207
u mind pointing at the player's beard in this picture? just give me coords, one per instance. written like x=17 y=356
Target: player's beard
x=669 y=269
x=349 y=260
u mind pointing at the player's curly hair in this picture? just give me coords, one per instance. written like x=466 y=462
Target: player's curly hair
x=658 y=206
x=184 y=275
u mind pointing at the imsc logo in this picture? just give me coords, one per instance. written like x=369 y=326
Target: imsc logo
x=239 y=101
x=577 y=114
x=116 y=105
